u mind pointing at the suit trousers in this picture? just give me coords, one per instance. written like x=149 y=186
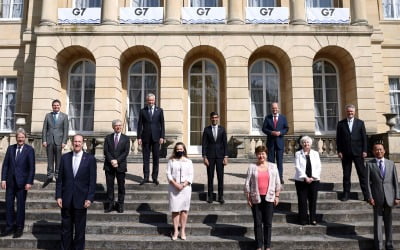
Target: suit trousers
x=110 y=177
x=361 y=172
x=73 y=219
x=53 y=159
x=307 y=193
x=274 y=153
x=12 y=192
x=154 y=147
x=217 y=164
x=383 y=214
x=262 y=215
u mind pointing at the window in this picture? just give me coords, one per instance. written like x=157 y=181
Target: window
x=143 y=79
x=203 y=97
x=324 y=3
x=81 y=90
x=11 y=9
x=205 y=3
x=391 y=9
x=145 y=3
x=326 y=105
x=394 y=92
x=262 y=3
x=264 y=90
x=8 y=91
x=87 y=3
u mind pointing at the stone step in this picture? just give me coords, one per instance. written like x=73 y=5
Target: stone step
x=205 y=229
x=94 y=241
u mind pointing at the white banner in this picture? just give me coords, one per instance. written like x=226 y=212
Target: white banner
x=267 y=15
x=203 y=15
x=79 y=15
x=141 y=15
x=328 y=15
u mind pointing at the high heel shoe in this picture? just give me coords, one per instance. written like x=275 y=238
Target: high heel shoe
x=183 y=236
x=174 y=237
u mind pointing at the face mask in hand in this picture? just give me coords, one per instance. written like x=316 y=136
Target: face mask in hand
x=179 y=154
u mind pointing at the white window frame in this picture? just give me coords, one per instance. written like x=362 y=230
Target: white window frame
x=143 y=89
x=192 y=149
x=395 y=14
x=337 y=74
x=82 y=101
x=264 y=75
x=81 y=4
x=395 y=107
x=11 y=10
x=5 y=91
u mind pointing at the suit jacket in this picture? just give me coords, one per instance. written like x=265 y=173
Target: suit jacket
x=301 y=165
x=23 y=168
x=281 y=126
x=75 y=190
x=212 y=148
x=120 y=153
x=55 y=133
x=382 y=188
x=354 y=143
x=151 y=128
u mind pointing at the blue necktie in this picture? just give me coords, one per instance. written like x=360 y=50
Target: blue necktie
x=381 y=168
x=18 y=153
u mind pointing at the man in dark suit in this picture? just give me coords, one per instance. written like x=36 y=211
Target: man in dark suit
x=17 y=178
x=382 y=193
x=54 y=139
x=351 y=142
x=116 y=150
x=215 y=156
x=275 y=127
x=151 y=134
x=75 y=190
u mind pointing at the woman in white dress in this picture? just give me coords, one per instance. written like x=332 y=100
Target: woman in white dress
x=180 y=178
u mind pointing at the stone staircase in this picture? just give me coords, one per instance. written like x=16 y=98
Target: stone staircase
x=146 y=222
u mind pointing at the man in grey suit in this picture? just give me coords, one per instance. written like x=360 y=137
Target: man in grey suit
x=383 y=194
x=54 y=139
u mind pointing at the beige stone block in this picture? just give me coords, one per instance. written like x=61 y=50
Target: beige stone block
x=301 y=103
x=172 y=104
x=8 y=71
x=238 y=128
x=105 y=61
x=368 y=104
x=172 y=51
x=171 y=82
x=104 y=117
x=110 y=93
x=365 y=93
x=302 y=61
x=194 y=40
x=173 y=115
x=107 y=72
x=171 y=72
x=237 y=61
x=172 y=92
x=302 y=82
x=238 y=93
x=172 y=128
x=304 y=127
x=236 y=71
x=237 y=82
x=108 y=104
x=172 y=61
x=238 y=116
x=238 y=104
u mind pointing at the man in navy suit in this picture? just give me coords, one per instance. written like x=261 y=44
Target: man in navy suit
x=54 y=139
x=116 y=150
x=215 y=156
x=383 y=194
x=351 y=143
x=75 y=190
x=275 y=127
x=17 y=178
x=151 y=134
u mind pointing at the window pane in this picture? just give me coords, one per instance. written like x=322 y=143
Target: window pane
x=87 y=3
x=257 y=67
x=270 y=68
x=145 y=3
x=149 y=68
x=204 y=3
x=317 y=67
x=394 y=93
x=329 y=68
x=261 y=3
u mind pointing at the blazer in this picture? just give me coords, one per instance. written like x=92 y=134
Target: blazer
x=151 y=129
x=251 y=184
x=301 y=163
x=23 y=169
x=211 y=148
x=75 y=190
x=120 y=153
x=180 y=170
x=55 y=133
x=354 y=143
x=379 y=188
x=281 y=126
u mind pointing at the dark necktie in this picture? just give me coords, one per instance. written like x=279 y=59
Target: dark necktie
x=275 y=121
x=18 y=153
x=54 y=117
x=116 y=140
x=381 y=168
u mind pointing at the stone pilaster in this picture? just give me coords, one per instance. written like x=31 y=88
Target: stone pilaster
x=109 y=12
x=358 y=12
x=235 y=12
x=49 y=12
x=297 y=12
x=173 y=11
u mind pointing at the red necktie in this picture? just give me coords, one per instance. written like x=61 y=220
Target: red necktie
x=275 y=121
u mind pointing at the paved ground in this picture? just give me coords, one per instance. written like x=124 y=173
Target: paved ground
x=234 y=173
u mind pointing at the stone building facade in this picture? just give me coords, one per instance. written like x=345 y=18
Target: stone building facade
x=237 y=66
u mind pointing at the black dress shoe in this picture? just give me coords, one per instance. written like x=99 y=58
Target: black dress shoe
x=18 y=233
x=6 y=232
x=345 y=196
x=221 y=200
x=282 y=182
x=109 y=208
x=209 y=199
x=143 y=182
x=120 y=208
x=47 y=182
x=156 y=182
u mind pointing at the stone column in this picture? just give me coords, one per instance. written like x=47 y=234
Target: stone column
x=173 y=11
x=235 y=12
x=358 y=12
x=49 y=12
x=110 y=10
x=297 y=12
